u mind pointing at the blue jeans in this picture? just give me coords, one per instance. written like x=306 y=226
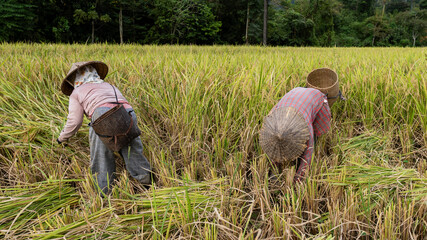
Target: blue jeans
x=102 y=160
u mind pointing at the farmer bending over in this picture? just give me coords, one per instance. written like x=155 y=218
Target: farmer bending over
x=291 y=128
x=115 y=131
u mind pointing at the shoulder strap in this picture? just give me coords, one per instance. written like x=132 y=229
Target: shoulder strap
x=117 y=100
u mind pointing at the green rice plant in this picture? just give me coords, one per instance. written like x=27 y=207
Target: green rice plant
x=48 y=210
x=375 y=176
x=77 y=229
x=22 y=206
x=369 y=147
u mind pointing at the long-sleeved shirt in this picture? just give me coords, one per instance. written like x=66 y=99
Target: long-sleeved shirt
x=84 y=100
x=313 y=105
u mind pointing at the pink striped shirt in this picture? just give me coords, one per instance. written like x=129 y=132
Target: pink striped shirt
x=313 y=105
x=84 y=100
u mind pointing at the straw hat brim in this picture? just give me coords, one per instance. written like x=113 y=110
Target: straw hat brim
x=284 y=135
x=67 y=83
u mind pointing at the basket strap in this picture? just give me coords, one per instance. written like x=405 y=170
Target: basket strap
x=339 y=95
x=117 y=100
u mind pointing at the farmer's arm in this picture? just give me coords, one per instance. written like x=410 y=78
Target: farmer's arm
x=74 y=119
x=304 y=161
x=321 y=125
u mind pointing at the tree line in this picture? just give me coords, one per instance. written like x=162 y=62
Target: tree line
x=268 y=22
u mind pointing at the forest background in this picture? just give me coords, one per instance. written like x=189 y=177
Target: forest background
x=206 y=22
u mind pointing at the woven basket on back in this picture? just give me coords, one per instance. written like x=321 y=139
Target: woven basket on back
x=326 y=81
x=284 y=135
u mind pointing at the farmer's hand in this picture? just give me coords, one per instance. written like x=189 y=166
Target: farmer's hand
x=61 y=143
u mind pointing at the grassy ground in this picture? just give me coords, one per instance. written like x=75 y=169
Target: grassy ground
x=200 y=110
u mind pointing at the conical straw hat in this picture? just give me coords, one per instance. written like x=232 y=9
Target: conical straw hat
x=284 y=135
x=326 y=81
x=67 y=84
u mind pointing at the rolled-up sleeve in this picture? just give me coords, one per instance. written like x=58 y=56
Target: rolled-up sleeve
x=74 y=119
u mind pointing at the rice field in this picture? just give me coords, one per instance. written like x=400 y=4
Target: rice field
x=200 y=110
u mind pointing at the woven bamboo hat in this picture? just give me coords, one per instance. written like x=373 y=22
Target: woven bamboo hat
x=284 y=135
x=67 y=84
x=326 y=81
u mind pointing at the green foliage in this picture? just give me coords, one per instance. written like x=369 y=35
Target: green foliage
x=105 y=18
x=399 y=35
x=80 y=16
x=395 y=6
x=415 y=24
x=61 y=31
x=376 y=30
x=289 y=27
x=323 y=13
x=360 y=8
x=188 y=21
x=16 y=20
x=348 y=29
x=290 y=22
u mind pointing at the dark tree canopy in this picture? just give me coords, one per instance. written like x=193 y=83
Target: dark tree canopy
x=205 y=22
